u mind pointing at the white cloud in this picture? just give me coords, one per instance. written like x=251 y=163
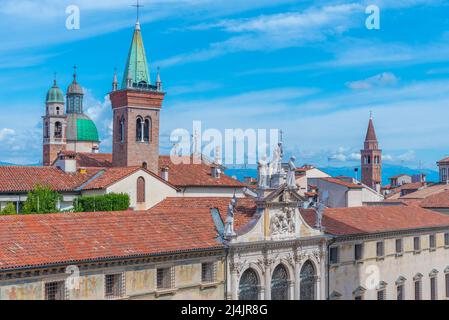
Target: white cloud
x=271 y=32
x=7 y=134
x=379 y=80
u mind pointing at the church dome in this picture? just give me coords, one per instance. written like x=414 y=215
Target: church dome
x=74 y=88
x=55 y=94
x=81 y=128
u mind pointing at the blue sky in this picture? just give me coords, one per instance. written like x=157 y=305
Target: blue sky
x=310 y=68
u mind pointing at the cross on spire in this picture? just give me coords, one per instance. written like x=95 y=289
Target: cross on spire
x=74 y=72
x=138 y=6
x=54 y=78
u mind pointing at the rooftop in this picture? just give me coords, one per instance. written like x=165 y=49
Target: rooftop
x=174 y=225
x=365 y=220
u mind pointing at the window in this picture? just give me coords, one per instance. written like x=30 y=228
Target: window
x=358 y=251
x=334 y=255
x=55 y=290
x=140 y=190
x=380 y=249
x=398 y=246
x=307 y=281
x=446 y=239
x=113 y=286
x=358 y=297
x=432 y=242
x=400 y=291
x=208 y=272
x=280 y=286
x=249 y=285
x=417 y=243
x=433 y=288
x=121 y=130
x=381 y=294
x=447 y=284
x=147 y=130
x=165 y=278
x=418 y=289
x=46 y=130
x=58 y=130
x=139 y=130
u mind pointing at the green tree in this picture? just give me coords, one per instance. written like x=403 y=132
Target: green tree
x=107 y=202
x=9 y=209
x=41 y=200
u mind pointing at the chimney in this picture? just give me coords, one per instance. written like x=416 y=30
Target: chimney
x=165 y=173
x=66 y=162
x=215 y=171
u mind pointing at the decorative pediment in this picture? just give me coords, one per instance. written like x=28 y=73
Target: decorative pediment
x=433 y=273
x=283 y=194
x=418 y=276
x=382 y=285
x=359 y=291
x=400 y=281
x=335 y=295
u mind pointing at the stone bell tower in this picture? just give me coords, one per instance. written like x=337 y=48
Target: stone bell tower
x=136 y=108
x=371 y=159
x=55 y=124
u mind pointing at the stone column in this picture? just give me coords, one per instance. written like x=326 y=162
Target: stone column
x=297 y=277
x=267 y=280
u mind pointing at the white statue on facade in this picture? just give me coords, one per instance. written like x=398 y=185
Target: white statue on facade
x=291 y=179
x=263 y=173
x=276 y=163
x=229 y=226
x=320 y=207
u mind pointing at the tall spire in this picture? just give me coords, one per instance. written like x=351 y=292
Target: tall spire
x=370 y=133
x=136 y=66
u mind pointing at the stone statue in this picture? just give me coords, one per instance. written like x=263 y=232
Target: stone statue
x=320 y=207
x=276 y=163
x=282 y=222
x=291 y=179
x=229 y=225
x=263 y=173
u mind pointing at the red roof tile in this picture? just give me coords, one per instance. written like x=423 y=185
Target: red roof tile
x=359 y=220
x=176 y=224
x=94 y=159
x=342 y=183
x=445 y=160
x=23 y=179
x=439 y=200
x=189 y=175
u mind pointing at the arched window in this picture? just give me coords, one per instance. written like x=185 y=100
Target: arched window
x=58 y=130
x=121 y=129
x=147 y=130
x=145 y=165
x=140 y=190
x=57 y=110
x=307 y=281
x=249 y=285
x=46 y=130
x=279 y=283
x=139 y=129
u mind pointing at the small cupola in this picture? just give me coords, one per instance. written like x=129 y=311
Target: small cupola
x=55 y=94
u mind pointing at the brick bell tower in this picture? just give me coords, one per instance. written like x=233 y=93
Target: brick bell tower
x=136 y=107
x=55 y=124
x=371 y=158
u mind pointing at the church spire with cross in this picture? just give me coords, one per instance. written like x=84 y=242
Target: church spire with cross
x=136 y=108
x=136 y=70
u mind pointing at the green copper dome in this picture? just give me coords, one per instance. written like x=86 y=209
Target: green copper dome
x=81 y=128
x=55 y=94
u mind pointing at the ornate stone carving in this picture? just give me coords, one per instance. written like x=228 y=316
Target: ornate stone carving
x=283 y=222
x=236 y=266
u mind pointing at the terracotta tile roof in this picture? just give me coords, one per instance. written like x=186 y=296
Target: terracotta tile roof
x=108 y=176
x=438 y=200
x=94 y=159
x=395 y=193
x=427 y=191
x=342 y=183
x=361 y=220
x=191 y=175
x=176 y=224
x=445 y=160
x=23 y=179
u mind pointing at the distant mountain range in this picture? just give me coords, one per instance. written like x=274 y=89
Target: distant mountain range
x=388 y=171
